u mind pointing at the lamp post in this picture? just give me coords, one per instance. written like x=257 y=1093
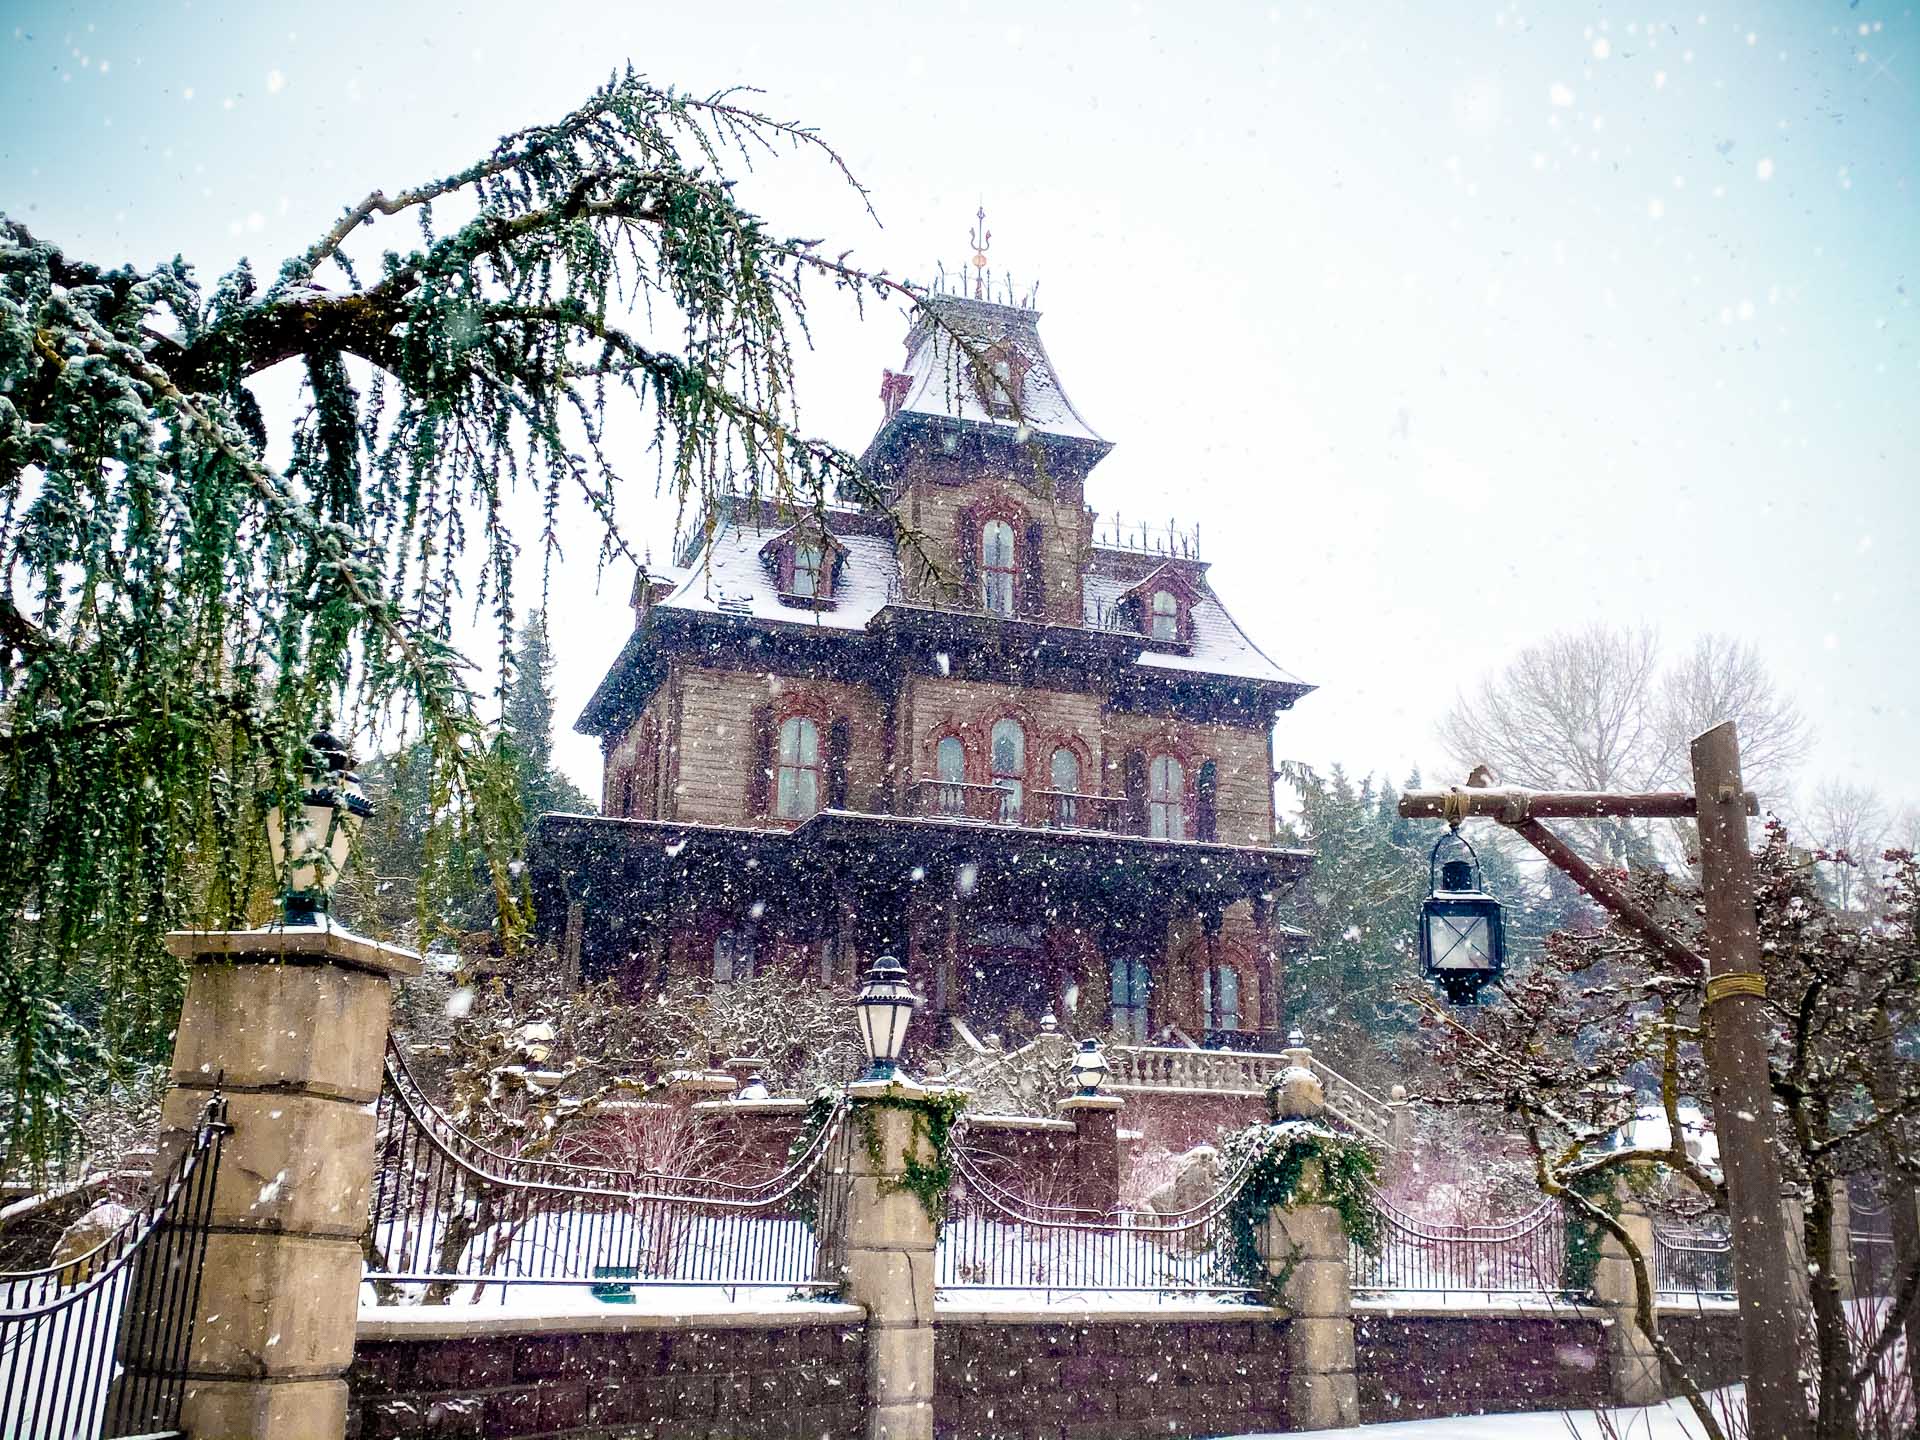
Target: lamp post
x=310 y=848
x=885 y=1006
x=1737 y=1048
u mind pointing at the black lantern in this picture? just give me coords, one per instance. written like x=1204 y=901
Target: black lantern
x=1089 y=1067
x=1462 y=940
x=885 y=1007
x=310 y=850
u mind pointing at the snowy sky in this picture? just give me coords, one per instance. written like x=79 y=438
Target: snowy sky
x=1449 y=325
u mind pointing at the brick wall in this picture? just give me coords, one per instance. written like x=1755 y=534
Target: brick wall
x=1707 y=1342
x=781 y=1376
x=1005 y=1377
x=1414 y=1366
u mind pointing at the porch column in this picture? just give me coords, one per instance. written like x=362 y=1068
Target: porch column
x=1211 y=924
x=1266 y=971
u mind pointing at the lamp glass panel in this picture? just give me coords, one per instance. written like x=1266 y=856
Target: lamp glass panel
x=1459 y=942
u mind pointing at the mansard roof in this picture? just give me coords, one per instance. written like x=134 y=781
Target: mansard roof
x=726 y=578
x=944 y=380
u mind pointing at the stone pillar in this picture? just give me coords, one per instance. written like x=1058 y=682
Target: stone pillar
x=1096 y=1148
x=1306 y=1246
x=1633 y=1363
x=1842 y=1249
x=292 y=1026
x=890 y=1243
x=1399 y=1119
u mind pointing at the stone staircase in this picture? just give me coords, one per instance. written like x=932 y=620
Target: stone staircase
x=1035 y=1074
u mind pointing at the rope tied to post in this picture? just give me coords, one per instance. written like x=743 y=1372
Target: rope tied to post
x=1736 y=982
x=1453 y=807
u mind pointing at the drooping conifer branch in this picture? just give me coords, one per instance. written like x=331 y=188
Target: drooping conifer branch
x=178 y=611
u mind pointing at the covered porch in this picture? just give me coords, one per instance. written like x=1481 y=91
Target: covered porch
x=1000 y=925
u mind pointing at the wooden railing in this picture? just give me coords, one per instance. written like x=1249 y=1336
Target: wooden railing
x=1066 y=810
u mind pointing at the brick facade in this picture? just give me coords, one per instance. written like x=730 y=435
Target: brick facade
x=664 y=1377
x=1162 y=824
x=1413 y=1366
x=1108 y=1378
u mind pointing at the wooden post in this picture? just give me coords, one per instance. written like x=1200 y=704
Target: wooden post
x=1736 y=1047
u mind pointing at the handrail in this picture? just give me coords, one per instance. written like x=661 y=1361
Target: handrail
x=443 y=1135
x=1191 y=1217
x=1511 y=1229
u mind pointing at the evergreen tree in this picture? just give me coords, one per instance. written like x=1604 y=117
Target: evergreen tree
x=527 y=724
x=179 y=613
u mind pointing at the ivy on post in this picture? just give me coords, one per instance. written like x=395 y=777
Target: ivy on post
x=1311 y=1185
x=900 y=1175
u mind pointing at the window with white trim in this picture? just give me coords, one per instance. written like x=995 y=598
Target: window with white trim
x=797 y=784
x=1166 y=798
x=1164 y=616
x=998 y=575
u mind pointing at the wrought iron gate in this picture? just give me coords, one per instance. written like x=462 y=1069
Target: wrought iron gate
x=97 y=1346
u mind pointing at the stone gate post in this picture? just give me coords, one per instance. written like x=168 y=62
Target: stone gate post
x=1633 y=1363
x=1304 y=1244
x=890 y=1241
x=291 y=1025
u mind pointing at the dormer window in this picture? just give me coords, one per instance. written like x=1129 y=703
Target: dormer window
x=998 y=573
x=803 y=562
x=1163 y=616
x=812 y=580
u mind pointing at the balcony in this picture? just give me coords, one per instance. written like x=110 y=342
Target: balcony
x=999 y=805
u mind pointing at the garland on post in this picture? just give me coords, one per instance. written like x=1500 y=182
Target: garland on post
x=1277 y=1157
x=934 y=1116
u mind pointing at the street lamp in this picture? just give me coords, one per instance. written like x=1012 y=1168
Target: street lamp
x=1089 y=1067
x=885 y=1007
x=310 y=852
x=1462 y=939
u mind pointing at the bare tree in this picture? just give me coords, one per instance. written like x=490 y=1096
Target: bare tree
x=1725 y=679
x=1595 y=709
x=1574 y=712
x=1849 y=824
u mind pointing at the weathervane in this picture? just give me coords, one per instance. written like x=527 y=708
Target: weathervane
x=980 y=238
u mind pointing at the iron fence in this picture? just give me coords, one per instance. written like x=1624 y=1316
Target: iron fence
x=1870 y=1241
x=97 y=1345
x=997 y=1239
x=1523 y=1256
x=457 y=1217
x=1696 y=1262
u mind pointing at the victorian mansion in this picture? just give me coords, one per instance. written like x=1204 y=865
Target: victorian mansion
x=1033 y=760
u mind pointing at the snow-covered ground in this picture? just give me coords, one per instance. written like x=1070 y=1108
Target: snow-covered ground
x=1672 y=1421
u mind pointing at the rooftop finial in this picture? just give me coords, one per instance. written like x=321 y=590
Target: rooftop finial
x=980 y=238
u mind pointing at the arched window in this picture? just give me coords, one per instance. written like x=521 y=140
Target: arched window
x=1127 y=999
x=950 y=769
x=997 y=573
x=797 y=788
x=1166 y=798
x=809 y=570
x=1220 y=987
x=1010 y=767
x=1164 y=616
x=1063 y=775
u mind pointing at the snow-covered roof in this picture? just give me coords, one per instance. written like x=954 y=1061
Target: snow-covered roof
x=1217 y=645
x=941 y=376
x=730 y=577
